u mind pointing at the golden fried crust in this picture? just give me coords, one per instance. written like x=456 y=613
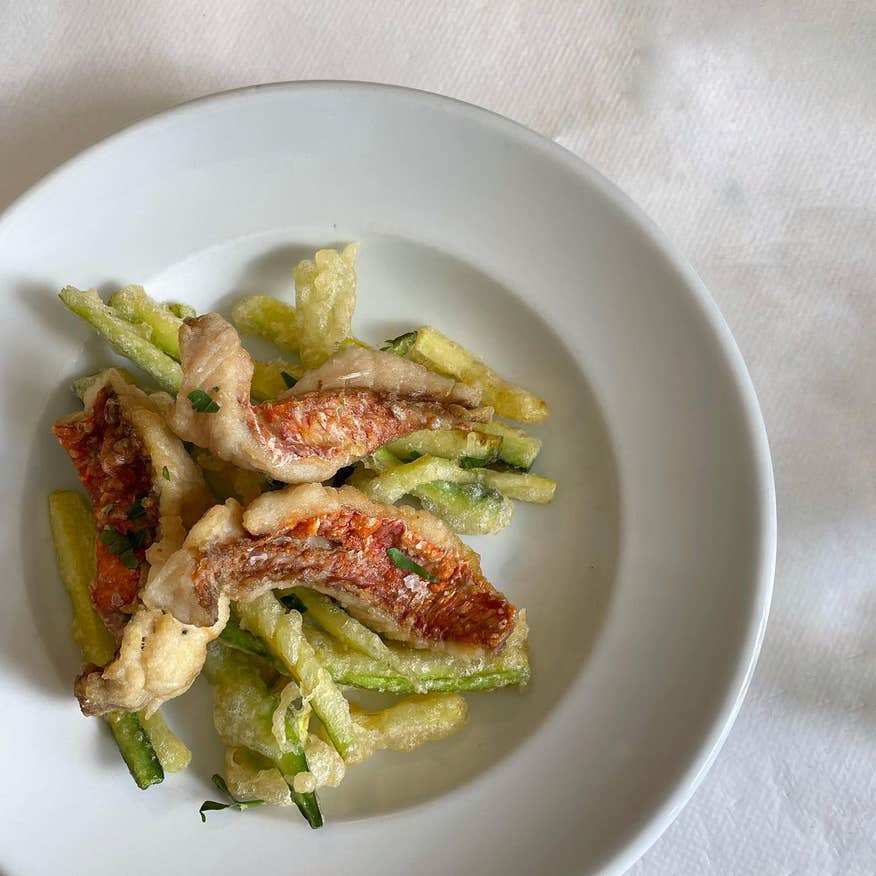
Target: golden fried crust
x=342 y=411
x=125 y=454
x=338 y=542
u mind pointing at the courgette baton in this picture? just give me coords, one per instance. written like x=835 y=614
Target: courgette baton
x=455 y=444
x=73 y=533
x=437 y=352
x=424 y=671
x=266 y=617
x=470 y=509
x=414 y=671
x=347 y=630
x=517 y=449
x=267 y=318
x=173 y=754
x=136 y=748
x=127 y=339
x=183 y=311
x=395 y=481
x=244 y=716
x=133 y=304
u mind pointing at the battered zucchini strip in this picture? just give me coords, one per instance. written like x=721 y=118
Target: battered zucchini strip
x=267 y=318
x=136 y=748
x=412 y=670
x=395 y=481
x=521 y=486
x=147 y=333
x=271 y=379
x=436 y=351
x=325 y=297
x=266 y=617
x=74 y=535
x=248 y=715
x=226 y=480
x=347 y=630
x=183 y=311
x=127 y=339
x=470 y=509
x=234 y=636
x=517 y=448
x=173 y=754
x=443 y=488
x=424 y=671
x=411 y=722
x=470 y=448
x=133 y=304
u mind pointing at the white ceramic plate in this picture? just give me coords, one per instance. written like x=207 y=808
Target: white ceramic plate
x=647 y=582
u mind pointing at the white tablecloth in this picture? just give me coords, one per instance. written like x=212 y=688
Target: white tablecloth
x=748 y=131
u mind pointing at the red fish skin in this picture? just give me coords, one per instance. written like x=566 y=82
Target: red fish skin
x=331 y=423
x=116 y=472
x=344 y=555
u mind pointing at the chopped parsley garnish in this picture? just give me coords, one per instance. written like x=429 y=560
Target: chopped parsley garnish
x=165 y=473
x=288 y=379
x=401 y=345
x=406 y=564
x=212 y=805
x=108 y=507
x=203 y=402
x=121 y=545
x=137 y=510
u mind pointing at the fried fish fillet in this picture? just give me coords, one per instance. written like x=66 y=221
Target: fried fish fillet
x=357 y=401
x=146 y=492
x=364 y=554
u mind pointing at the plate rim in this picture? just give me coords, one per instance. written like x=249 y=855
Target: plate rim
x=703 y=757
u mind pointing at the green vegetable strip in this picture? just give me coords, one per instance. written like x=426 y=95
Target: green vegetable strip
x=455 y=444
x=134 y=305
x=124 y=337
x=418 y=672
x=519 y=485
x=73 y=532
x=183 y=311
x=243 y=715
x=136 y=748
x=266 y=617
x=333 y=619
x=270 y=379
x=393 y=482
x=411 y=721
x=74 y=535
x=236 y=637
x=267 y=318
x=296 y=762
x=422 y=671
x=172 y=752
x=517 y=449
x=472 y=509
x=455 y=495
x=437 y=352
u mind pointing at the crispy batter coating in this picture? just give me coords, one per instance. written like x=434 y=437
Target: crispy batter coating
x=357 y=401
x=337 y=542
